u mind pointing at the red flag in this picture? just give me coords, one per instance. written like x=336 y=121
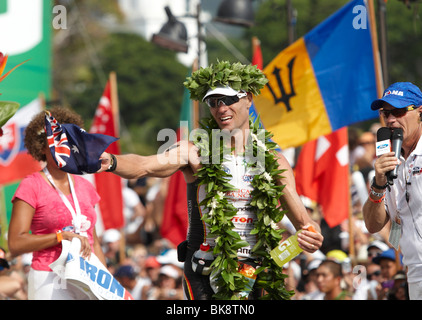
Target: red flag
x=15 y=162
x=257 y=59
x=259 y=62
x=109 y=185
x=322 y=174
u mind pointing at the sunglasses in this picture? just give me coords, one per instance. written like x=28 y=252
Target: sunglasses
x=373 y=274
x=226 y=100
x=397 y=113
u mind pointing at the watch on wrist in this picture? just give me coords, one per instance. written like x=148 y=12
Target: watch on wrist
x=113 y=163
x=374 y=185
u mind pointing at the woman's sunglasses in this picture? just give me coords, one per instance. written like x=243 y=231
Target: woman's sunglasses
x=397 y=112
x=226 y=100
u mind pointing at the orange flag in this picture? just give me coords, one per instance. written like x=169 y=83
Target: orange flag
x=322 y=174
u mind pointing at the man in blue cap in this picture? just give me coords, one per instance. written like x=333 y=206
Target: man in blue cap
x=400 y=107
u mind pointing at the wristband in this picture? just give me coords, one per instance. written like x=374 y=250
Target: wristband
x=374 y=185
x=376 y=201
x=113 y=163
x=59 y=236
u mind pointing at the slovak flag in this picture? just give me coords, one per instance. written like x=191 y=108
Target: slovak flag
x=15 y=161
x=73 y=149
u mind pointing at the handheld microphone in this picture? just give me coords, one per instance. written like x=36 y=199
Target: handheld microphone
x=397 y=139
x=383 y=144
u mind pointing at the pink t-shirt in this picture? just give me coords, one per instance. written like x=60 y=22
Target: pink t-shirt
x=51 y=214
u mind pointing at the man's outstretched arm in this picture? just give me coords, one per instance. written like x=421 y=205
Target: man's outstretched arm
x=133 y=166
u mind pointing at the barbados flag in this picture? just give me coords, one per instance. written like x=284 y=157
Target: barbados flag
x=323 y=81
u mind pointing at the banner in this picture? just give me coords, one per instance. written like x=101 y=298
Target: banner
x=323 y=81
x=88 y=275
x=25 y=35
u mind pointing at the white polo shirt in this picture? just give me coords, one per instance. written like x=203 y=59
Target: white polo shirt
x=408 y=212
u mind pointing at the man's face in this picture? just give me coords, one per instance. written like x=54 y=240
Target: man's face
x=234 y=116
x=388 y=268
x=326 y=281
x=408 y=121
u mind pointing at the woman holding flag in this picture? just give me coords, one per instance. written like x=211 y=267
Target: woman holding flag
x=233 y=190
x=51 y=206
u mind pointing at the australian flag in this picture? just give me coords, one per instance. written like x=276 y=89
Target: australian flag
x=73 y=149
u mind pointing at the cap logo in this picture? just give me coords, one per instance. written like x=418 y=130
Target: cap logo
x=395 y=92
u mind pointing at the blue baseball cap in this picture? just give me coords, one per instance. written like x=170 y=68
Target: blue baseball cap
x=126 y=271
x=388 y=254
x=400 y=95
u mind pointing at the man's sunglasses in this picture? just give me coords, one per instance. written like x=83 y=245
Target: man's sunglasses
x=213 y=102
x=397 y=112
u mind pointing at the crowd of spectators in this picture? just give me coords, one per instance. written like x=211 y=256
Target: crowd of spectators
x=146 y=264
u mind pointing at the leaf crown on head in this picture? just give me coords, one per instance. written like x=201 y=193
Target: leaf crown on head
x=236 y=75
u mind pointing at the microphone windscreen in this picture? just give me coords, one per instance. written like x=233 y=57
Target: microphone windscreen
x=398 y=133
x=383 y=133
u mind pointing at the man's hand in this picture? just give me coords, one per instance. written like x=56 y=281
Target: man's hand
x=105 y=162
x=309 y=241
x=382 y=165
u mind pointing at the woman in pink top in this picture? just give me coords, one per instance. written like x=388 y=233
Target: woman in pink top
x=40 y=216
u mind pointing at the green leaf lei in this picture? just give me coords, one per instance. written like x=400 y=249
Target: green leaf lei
x=220 y=213
x=236 y=75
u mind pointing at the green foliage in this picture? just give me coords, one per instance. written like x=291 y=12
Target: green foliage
x=404 y=35
x=236 y=75
x=149 y=83
x=7 y=110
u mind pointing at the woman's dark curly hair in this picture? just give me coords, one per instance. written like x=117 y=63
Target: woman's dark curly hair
x=35 y=138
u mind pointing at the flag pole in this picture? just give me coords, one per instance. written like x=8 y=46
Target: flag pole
x=114 y=102
x=375 y=49
x=379 y=79
x=352 y=252
x=116 y=117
